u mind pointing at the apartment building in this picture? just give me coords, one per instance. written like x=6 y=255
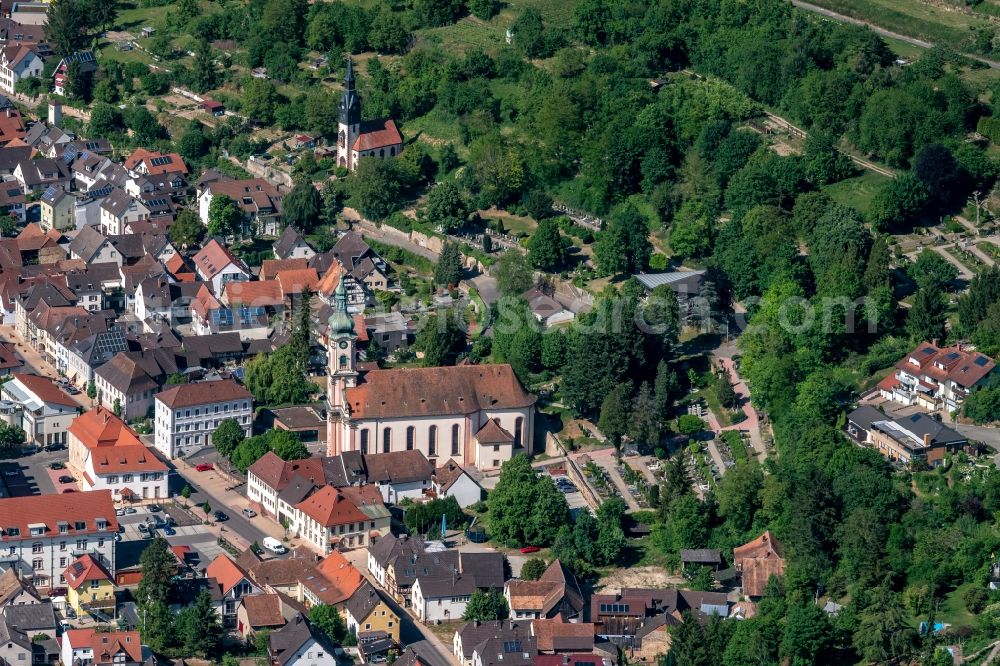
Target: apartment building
x=186 y=415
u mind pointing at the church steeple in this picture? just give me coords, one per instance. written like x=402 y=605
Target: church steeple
x=350 y=103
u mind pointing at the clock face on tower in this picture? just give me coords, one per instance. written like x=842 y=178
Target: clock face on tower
x=343 y=344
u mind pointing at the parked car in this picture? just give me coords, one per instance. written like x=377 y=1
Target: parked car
x=119 y=512
x=155 y=508
x=57 y=466
x=66 y=479
x=169 y=531
x=204 y=467
x=530 y=549
x=274 y=545
x=249 y=513
x=55 y=447
x=220 y=516
x=129 y=510
x=144 y=529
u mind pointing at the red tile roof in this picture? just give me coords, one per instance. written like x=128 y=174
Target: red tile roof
x=175 y=164
x=330 y=506
x=11 y=125
x=48 y=510
x=263 y=610
x=464 y=389
x=106 y=644
x=378 y=134
x=213 y=258
x=277 y=473
x=85 y=569
x=342 y=574
x=948 y=364
x=296 y=281
x=45 y=389
x=226 y=572
x=263 y=293
x=114 y=447
x=759 y=560
x=270 y=268
x=203 y=393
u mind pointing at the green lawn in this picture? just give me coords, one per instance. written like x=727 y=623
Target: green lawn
x=857 y=192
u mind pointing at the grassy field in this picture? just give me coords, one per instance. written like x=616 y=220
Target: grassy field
x=915 y=18
x=857 y=192
x=473 y=32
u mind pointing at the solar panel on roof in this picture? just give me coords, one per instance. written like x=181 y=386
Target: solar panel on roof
x=160 y=161
x=512 y=646
x=981 y=361
x=927 y=350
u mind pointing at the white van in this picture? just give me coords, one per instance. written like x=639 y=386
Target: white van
x=274 y=545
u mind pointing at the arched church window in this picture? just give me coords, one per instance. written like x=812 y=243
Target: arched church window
x=343 y=361
x=364 y=441
x=386 y=440
x=411 y=435
x=432 y=441
x=342 y=139
x=518 y=425
x=454 y=440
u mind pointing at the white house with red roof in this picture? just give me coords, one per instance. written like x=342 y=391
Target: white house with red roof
x=103 y=648
x=234 y=584
x=344 y=518
x=144 y=162
x=214 y=263
x=356 y=138
x=105 y=454
x=42 y=534
x=259 y=200
x=44 y=411
x=186 y=415
x=937 y=378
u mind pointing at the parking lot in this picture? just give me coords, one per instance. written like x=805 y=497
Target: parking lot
x=31 y=475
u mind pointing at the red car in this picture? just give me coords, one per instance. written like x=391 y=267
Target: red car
x=204 y=467
x=530 y=549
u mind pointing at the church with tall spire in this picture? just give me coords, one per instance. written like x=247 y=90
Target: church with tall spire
x=473 y=415
x=357 y=138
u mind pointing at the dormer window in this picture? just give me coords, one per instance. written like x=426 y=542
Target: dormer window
x=102 y=524
x=80 y=525
x=37 y=529
x=13 y=531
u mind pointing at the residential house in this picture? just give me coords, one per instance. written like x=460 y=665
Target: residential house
x=89 y=588
x=12 y=129
x=186 y=415
x=390 y=557
x=118 y=209
x=257 y=198
x=299 y=643
x=345 y=518
x=85 y=65
x=299 y=580
x=93 y=247
x=472 y=636
x=95 y=647
x=144 y=162
x=368 y=612
x=391 y=331
x=556 y=592
x=441 y=591
x=79 y=356
x=305 y=421
x=44 y=533
x=498 y=652
x=258 y=612
x=292 y=245
x=367 y=270
x=18 y=61
x=12 y=199
x=757 y=562
x=17 y=592
x=104 y=453
x=399 y=475
x=33 y=619
x=235 y=584
x=937 y=378
x=16 y=647
x=38 y=175
x=904 y=439
x=547 y=310
x=125 y=386
x=10 y=362
x=44 y=410
x=58 y=210
x=450 y=480
x=556 y=635
x=214 y=263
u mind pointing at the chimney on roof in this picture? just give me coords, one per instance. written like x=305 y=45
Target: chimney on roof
x=927 y=439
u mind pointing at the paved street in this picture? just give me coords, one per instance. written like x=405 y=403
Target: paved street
x=34 y=363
